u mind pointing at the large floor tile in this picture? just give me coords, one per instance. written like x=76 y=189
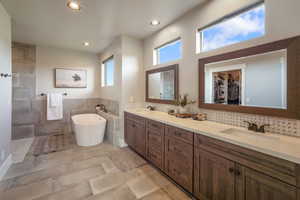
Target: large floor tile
x=107 y=182
x=175 y=193
x=125 y=159
x=119 y=193
x=29 y=192
x=19 y=149
x=79 y=176
x=73 y=192
x=158 y=195
x=142 y=186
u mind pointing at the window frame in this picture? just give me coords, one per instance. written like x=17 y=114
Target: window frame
x=103 y=72
x=199 y=35
x=156 y=56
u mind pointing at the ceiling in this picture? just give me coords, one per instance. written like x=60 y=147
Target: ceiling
x=51 y=23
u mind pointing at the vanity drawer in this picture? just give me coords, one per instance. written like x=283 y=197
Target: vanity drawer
x=179 y=148
x=180 y=134
x=157 y=126
x=274 y=167
x=155 y=157
x=135 y=118
x=154 y=139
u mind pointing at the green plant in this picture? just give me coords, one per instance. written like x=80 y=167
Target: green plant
x=183 y=101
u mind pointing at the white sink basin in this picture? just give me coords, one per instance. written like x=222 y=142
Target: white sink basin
x=249 y=134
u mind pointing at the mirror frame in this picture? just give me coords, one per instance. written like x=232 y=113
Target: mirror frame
x=174 y=67
x=292 y=45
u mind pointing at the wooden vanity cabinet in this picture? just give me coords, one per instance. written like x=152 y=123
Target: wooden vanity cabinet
x=155 y=143
x=209 y=168
x=179 y=156
x=135 y=133
x=214 y=176
x=225 y=171
x=251 y=184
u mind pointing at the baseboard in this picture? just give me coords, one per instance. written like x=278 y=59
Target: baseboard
x=5 y=166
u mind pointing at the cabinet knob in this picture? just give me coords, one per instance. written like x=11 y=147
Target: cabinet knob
x=231 y=170
x=237 y=173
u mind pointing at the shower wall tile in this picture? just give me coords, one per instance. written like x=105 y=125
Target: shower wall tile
x=23 y=131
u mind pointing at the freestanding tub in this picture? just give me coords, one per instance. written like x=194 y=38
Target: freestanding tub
x=89 y=129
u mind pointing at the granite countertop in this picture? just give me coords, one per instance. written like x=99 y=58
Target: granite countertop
x=280 y=146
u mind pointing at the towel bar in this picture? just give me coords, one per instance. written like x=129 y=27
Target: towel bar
x=43 y=94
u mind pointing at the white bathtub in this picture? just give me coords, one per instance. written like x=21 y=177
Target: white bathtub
x=89 y=129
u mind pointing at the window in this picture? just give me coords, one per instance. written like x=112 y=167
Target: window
x=168 y=52
x=246 y=25
x=107 y=72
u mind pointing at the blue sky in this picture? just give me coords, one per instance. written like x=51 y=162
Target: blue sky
x=109 y=70
x=246 y=26
x=170 y=52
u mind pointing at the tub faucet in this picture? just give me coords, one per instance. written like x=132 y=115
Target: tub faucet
x=101 y=107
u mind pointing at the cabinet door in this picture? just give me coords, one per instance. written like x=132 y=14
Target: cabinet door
x=179 y=162
x=140 y=138
x=155 y=147
x=251 y=185
x=130 y=133
x=214 y=177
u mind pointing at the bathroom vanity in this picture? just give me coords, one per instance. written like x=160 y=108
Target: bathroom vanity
x=217 y=161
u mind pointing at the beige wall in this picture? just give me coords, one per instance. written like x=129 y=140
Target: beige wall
x=132 y=72
x=128 y=88
x=5 y=87
x=281 y=22
x=113 y=92
x=48 y=58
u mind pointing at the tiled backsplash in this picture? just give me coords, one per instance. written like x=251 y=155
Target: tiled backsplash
x=283 y=126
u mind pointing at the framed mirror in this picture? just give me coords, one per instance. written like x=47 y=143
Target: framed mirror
x=162 y=85
x=258 y=80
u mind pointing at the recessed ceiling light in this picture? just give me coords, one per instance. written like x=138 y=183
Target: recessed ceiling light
x=86 y=44
x=74 y=4
x=154 y=22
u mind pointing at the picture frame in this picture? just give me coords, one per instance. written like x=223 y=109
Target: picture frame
x=70 y=78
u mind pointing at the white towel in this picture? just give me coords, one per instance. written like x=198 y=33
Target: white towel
x=54 y=106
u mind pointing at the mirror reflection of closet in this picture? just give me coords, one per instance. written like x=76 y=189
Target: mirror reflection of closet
x=259 y=81
x=162 y=85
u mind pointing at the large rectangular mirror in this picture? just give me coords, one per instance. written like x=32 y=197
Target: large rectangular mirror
x=162 y=85
x=258 y=80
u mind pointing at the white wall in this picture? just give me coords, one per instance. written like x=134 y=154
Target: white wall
x=5 y=87
x=49 y=58
x=281 y=22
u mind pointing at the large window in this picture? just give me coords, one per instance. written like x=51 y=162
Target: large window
x=247 y=24
x=107 y=72
x=168 y=52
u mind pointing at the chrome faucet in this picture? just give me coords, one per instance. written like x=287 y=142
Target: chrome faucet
x=151 y=108
x=254 y=127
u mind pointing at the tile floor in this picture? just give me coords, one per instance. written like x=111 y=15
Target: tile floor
x=102 y=172
x=20 y=148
